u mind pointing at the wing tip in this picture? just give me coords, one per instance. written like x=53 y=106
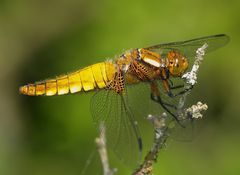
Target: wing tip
x=225 y=36
x=140 y=145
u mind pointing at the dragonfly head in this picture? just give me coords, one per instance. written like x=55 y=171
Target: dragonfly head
x=176 y=63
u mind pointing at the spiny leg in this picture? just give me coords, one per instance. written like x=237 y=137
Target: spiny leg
x=168 y=88
x=163 y=104
x=154 y=87
x=170 y=94
x=155 y=96
x=177 y=87
x=172 y=86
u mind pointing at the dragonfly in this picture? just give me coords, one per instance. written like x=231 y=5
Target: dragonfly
x=137 y=83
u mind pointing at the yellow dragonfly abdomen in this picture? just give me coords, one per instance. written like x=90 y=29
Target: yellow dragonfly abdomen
x=96 y=76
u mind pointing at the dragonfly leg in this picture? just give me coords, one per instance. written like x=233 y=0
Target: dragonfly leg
x=164 y=106
x=168 y=88
x=171 y=85
x=181 y=92
x=155 y=96
x=176 y=87
x=159 y=100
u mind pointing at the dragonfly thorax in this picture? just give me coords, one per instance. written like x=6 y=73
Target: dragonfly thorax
x=149 y=57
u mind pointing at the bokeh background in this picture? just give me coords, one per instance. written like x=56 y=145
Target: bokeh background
x=40 y=39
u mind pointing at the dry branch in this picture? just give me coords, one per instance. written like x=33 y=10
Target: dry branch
x=102 y=150
x=160 y=137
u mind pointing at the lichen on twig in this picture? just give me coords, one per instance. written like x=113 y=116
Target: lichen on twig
x=160 y=137
x=195 y=110
x=191 y=77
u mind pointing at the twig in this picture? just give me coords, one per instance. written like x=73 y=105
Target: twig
x=101 y=146
x=161 y=134
x=191 y=77
x=160 y=137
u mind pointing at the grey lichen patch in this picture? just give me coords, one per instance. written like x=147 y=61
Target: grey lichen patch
x=196 y=110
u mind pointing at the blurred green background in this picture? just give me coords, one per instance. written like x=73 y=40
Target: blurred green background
x=40 y=39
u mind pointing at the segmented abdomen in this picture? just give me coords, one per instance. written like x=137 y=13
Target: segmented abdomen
x=96 y=76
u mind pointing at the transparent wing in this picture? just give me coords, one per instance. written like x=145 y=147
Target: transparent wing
x=188 y=128
x=122 y=131
x=141 y=104
x=188 y=48
x=119 y=114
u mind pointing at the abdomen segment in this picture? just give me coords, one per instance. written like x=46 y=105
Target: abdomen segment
x=96 y=76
